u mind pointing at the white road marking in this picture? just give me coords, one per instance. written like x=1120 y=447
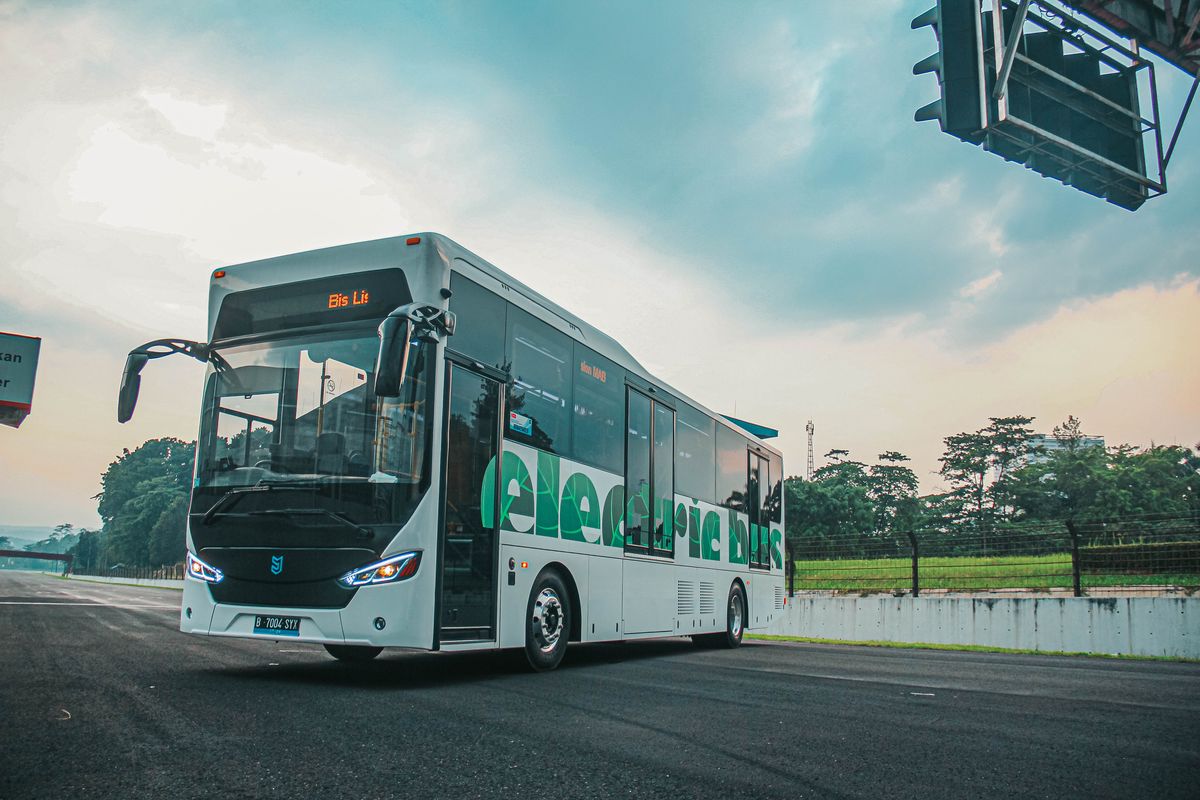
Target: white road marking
x=923 y=694
x=103 y=605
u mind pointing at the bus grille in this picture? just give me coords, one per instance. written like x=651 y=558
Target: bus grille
x=707 y=598
x=685 y=598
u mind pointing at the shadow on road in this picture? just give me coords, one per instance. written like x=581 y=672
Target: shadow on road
x=414 y=670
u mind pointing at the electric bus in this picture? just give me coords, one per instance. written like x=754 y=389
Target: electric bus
x=402 y=446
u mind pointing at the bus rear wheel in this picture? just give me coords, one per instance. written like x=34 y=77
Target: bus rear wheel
x=352 y=652
x=735 y=622
x=548 y=622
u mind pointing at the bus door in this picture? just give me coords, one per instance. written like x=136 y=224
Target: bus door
x=648 y=580
x=758 y=506
x=469 y=542
x=758 y=486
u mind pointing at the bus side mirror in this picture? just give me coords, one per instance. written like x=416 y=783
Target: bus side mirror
x=131 y=382
x=392 y=363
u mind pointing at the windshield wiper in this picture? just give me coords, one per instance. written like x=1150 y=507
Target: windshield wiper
x=323 y=512
x=232 y=497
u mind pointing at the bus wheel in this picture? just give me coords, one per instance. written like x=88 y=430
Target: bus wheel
x=735 y=622
x=548 y=622
x=352 y=652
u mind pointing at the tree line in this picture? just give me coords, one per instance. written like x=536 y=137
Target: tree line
x=996 y=478
x=143 y=503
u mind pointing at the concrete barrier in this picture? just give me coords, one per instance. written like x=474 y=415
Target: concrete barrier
x=1143 y=626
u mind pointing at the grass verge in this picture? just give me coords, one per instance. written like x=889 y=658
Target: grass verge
x=966 y=573
x=970 y=648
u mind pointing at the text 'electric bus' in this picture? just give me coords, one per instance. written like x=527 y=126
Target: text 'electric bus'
x=402 y=446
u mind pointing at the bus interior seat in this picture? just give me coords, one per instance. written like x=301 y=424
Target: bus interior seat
x=331 y=454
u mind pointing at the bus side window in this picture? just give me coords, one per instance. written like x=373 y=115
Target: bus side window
x=539 y=396
x=695 y=455
x=731 y=469
x=599 y=411
x=480 y=326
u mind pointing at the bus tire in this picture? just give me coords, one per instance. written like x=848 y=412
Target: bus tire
x=547 y=622
x=735 y=622
x=352 y=652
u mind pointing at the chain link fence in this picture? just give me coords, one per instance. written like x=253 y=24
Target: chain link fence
x=1150 y=553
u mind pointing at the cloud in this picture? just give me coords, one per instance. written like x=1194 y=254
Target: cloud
x=877 y=279
x=189 y=118
x=978 y=287
x=791 y=73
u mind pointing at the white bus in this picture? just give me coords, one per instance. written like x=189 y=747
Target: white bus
x=402 y=446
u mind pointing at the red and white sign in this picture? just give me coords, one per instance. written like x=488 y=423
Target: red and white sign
x=18 y=367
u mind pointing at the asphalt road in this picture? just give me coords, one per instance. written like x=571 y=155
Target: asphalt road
x=102 y=697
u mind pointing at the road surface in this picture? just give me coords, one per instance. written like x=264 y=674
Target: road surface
x=103 y=697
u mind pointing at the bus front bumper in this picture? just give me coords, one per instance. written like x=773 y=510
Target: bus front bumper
x=381 y=616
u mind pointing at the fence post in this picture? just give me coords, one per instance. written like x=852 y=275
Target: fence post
x=916 y=586
x=1074 y=558
x=790 y=571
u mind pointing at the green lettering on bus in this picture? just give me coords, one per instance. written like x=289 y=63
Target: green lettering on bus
x=693 y=529
x=513 y=475
x=577 y=514
x=710 y=537
x=613 y=517
x=737 y=539
x=547 y=494
x=580 y=508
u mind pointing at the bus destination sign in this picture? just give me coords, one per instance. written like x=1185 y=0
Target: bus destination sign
x=358 y=297
x=354 y=296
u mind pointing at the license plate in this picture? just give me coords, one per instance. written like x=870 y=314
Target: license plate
x=277 y=626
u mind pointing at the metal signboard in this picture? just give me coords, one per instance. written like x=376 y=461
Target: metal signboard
x=18 y=367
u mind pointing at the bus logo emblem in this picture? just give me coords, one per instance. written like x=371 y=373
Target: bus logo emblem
x=276 y=565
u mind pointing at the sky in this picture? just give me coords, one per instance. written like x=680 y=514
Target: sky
x=737 y=192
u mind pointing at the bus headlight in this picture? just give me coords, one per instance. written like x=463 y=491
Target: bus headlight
x=203 y=572
x=389 y=570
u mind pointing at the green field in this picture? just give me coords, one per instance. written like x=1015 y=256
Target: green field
x=965 y=573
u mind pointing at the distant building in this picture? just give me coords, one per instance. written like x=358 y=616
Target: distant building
x=1047 y=444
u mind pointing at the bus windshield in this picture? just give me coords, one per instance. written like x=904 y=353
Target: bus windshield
x=302 y=413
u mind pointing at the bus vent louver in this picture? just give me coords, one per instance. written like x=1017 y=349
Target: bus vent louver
x=685 y=598
x=778 y=598
x=707 y=598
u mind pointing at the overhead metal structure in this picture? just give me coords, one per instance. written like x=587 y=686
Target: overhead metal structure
x=1036 y=83
x=1168 y=28
x=1069 y=108
x=66 y=558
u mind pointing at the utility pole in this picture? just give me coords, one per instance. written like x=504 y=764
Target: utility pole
x=810 y=428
